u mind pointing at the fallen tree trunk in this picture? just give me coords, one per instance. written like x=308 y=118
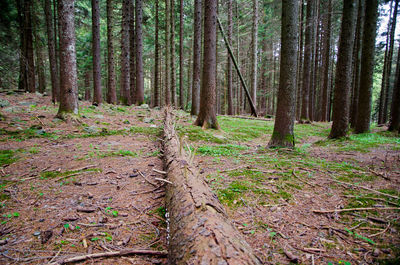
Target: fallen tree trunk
x=200 y=231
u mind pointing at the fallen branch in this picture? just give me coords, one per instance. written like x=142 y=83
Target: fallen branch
x=383 y=175
x=124 y=252
x=159 y=171
x=381 y=232
x=164 y=180
x=356 y=209
x=148 y=181
x=366 y=188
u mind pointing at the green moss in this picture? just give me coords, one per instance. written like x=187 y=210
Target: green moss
x=22 y=135
x=145 y=130
x=7 y=157
x=221 y=150
x=55 y=174
x=118 y=153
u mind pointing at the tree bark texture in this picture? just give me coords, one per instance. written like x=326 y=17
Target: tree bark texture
x=55 y=89
x=285 y=114
x=172 y=51
x=29 y=56
x=68 y=70
x=367 y=67
x=139 y=53
x=300 y=61
x=97 y=95
x=167 y=89
x=125 y=94
x=200 y=231
x=156 y=101
x=196 y=58
x=395 y=108
x=254 y=40
x=112 y=92
x=341 y=100
x=207 y=117
x=229 y=66
x=307 y=64
x=132 y=51
x=181 y=89
x=325 y=58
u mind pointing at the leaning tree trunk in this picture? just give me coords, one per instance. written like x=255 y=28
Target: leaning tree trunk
x=68 y=73
x=196 y=58
x=367 y=67
x=200 y=231
x=341 y=103
x=139 y=53
x=97 y=95
x=283 y=134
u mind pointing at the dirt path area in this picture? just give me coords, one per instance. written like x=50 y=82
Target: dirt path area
x=80 y=187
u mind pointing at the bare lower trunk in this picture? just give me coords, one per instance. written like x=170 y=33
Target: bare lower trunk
x=111 y=93
x=200 y=232
x=156 y=101
x=125 y=89
x=172 y=55
x=196 y=58
x=97 y=95
x=139 y=53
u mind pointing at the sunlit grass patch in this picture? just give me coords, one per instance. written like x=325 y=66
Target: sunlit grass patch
x=221 y=150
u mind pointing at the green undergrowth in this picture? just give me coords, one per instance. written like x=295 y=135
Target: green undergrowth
x=7 y=157
x=221 y=150
x=25 y=134
x=65 y=174
x=117 y=153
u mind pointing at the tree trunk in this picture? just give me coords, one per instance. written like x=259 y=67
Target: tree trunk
x=112 y=92
x=132 y=51
x=367 y=67
x=167 y=89
x=395 y=109
x=125 y=94
x=156 y=101
x=97 y=95
x=229 y=66
x=68 y=70
x=181 y=94
x=325 y=58
x=341 y=99
x=196 y=58
x=55 y=89
x=172 y=51
x=314 y=64
x=29 y=57
x=357 y=63
x=283 y=134
x=87 y=86
x=207 y=117
x=254 y=40
x=200 y=231
x=300 y=62
x=39 y=52
x=139 y=54
x=308 y=45
x=57 y=45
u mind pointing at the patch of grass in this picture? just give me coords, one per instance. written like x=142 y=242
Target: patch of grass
x=34 y=150
x=118 y=153
x=145 y=130
x=7 y=157
x=303 y=131
x=195 y=134
x=243 y=129
x=55 y=174
x=102 y=133
x=230 y=194
x=220 y=150
x=22 y=135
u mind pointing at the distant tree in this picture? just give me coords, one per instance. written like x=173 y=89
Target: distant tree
x=326 y=39
x=341 y=103
x=97 y=95
x=167 y=89
x=55 y=89
x=172 y=52
x=139 y=54
x=181 y=59
x=111 y=87
x=87 y=86
x=156 y=101
x=395 y=108
x=196 y=58
x=254 y=48
x=68 y=73
x=207 y=115
x=125 y=94
x=283 y=134
x=132 y=52
x=229 y=65
x=367 y=67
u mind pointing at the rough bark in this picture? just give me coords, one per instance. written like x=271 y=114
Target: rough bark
x=325 y=59
x=395 y=108
x=55 y=89
x=139 y=54
x=132 y=51
x=181 y=94
x=283 y=134
x=156 y=101
x=97 y=95
x=112 y=92
x=196 y=58
x=207 y=117
x=308 y=45
x=29 y=55
x=172 y=53
x=200 y=231
x=314 y=62
x=367 y=67
x=87 y=86
x=300 y=61
x=68 y=70
x=229 y=66
x=341 y=100
x=167 y=89
x=125 y=94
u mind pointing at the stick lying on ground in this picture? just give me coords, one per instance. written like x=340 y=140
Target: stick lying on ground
x=200 y=231
x=356 y=209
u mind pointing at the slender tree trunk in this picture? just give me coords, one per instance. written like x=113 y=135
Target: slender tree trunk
x=357 y=62
x=156 y=101
x=132 y=52
x=314 y=55
x=395 y=109
x=68 y=70
x=125 y=88
x=52 y=52
x=97 y=95
x=207 y=117
x=39 y=52
x=29 y=56
x=300 y=61
x=167 y=89
x=139 y=54
x=87 y=86
x=112 y=92
x=172 y=51
x=181 y=59
x=254 y=60
x=367 y=67
x=189 y=82
x=196 y=58
x=325 y=58
x=341 y=103
x=283 y=134
x=229 y=66
x=56 y=45
x=305 y=114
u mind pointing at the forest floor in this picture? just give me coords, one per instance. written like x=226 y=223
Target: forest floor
x=88 y=186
